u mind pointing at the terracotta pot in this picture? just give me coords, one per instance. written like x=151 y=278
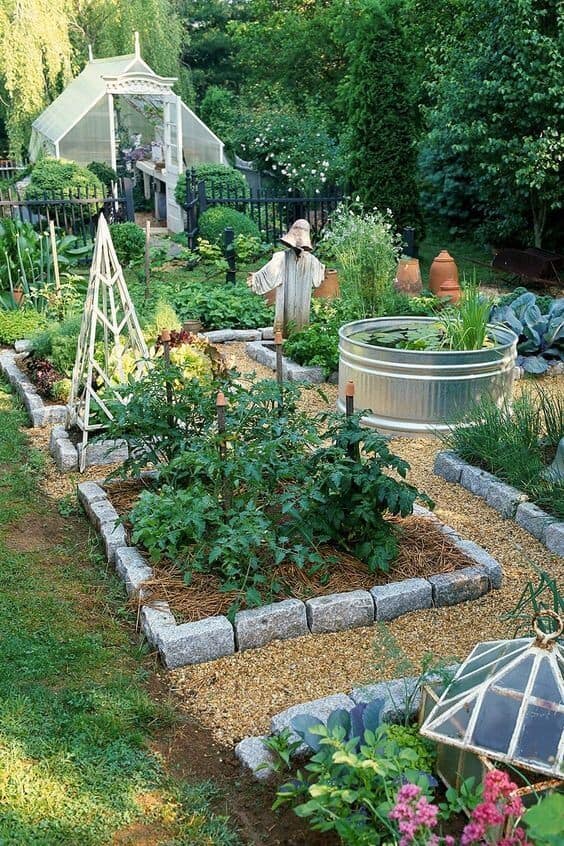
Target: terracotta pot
x=443 y=269
x=450 y=290
x=192 y=326
x=18 y=296
x=329 y=288
x=408 y=276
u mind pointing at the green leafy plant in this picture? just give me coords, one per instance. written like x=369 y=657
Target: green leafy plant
x=283 y=748
x=57 y=176
x=17 y=324
x=536 y=597
x=367 y=250
x=213 y=222
x=104 y=173
x=349 y=787
x=218 y=179
x=541 y=336
x=544 y=820
x=218 y=304
x=465 y=327
x=129 y=242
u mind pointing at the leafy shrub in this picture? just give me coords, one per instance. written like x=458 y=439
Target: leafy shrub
x=43 y=375
x=18 y=324
x=163 y=317
x=60 y=390
x=57 y=176
x=104 y=173
x=219 y=179
x=213 y=222
x=543 y=301
x=129 y=242
x=541 y=336
x=221 y=305
x=58 y=344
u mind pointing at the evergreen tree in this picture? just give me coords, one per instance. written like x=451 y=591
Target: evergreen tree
x=381 y=115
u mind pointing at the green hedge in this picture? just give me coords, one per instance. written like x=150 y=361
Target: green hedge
x=104 y=172
x=217 y=177
x=213 y=221
x=56 y=176
x=129 y=241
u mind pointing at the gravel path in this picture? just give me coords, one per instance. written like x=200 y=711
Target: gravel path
x=237 y=696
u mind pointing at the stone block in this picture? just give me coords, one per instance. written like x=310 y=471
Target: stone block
x=505 y=499
x=54 y=414
x=104 y=452
x=476 y=481
x=23 y=346
x=57 y=433
x=89 y=493
x=554 y=538
x=482 y=560
x=420 y=511
x=534 y=520
x=195 y=643
x=132 y=568
x=66 y=456
x=311 y=375
x=261 y=353
x=340 y=611
x=279 y=621
x=113 y=536
x=399 y=695
x=253 y=754
x=460 y=586
x=102 y=512
x=267 y=333
x=399 y=598
x=320 y=708
x=37 y=417
x=154 y=619
x=223 y=336
x=449 y=466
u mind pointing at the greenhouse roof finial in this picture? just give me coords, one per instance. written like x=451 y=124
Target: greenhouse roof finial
x=137 y=47
x=90 y=53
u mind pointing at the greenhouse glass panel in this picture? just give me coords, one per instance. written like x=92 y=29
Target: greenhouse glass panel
x=507 y=702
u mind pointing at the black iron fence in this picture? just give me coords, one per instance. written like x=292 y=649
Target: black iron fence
x=74 y=212
x=273 y=214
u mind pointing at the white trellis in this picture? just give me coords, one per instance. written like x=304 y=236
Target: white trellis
x=108 y=312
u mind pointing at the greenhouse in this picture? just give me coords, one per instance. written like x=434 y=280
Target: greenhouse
x=120 y=112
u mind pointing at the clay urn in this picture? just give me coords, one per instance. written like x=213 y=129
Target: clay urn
x=408 y=276
x=443 y=269
x=450 y=290
x=18 y=297
x=329 y=288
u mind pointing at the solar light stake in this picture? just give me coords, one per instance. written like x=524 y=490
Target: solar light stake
x=165 y=339
x=349 y=399
x=278 y=340
x=220 y=405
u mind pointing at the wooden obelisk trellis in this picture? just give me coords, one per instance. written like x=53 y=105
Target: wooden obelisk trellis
x=109 y=307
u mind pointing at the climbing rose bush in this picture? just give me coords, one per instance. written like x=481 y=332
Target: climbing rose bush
x=416 y=817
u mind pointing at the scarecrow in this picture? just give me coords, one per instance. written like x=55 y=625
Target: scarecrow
x=292 y=273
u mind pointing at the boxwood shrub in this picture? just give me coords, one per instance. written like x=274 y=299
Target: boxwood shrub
x=18 y=324
x=213 y=221
x=55 y=176
x=129 y=241
x=218 y=178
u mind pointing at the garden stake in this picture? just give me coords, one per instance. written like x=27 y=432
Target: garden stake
x=147 y=259
x=278 y=340
x=229 y=245
x=220 y=404
x=352 y=450
x=165 y=338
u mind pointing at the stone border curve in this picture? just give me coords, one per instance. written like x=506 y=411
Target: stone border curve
x=510 y=502
x=182 y=644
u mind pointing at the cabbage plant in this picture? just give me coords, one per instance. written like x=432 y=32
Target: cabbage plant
x=541 y=336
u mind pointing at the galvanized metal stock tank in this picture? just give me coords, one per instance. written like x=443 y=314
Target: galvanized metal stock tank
x=418 y=392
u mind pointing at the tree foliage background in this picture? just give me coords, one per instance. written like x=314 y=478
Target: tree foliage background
x=450 y=110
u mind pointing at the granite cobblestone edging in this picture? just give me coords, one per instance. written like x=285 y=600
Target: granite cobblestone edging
x=401 y=698
x=40 y=414
x=214 y=637
x=510 y=502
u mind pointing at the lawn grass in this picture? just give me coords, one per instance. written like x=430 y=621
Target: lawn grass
x=75 y=715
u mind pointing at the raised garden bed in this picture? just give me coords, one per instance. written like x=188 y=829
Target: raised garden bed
x=511 y=503
x=41 y=413
x=180 y=644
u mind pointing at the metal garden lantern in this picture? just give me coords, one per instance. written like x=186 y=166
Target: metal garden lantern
x=506 y=705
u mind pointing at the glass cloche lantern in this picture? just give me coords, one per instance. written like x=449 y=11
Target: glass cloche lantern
x=506 y=703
